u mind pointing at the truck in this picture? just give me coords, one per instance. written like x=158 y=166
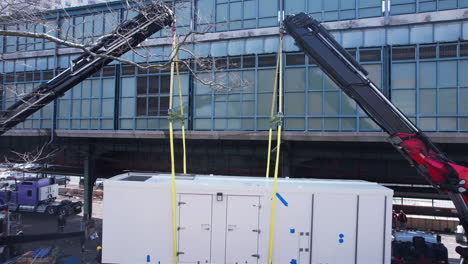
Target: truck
x=36 y=196
x=442 y=173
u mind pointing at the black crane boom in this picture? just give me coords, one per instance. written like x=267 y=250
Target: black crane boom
x=445 y=175
x=151 y=19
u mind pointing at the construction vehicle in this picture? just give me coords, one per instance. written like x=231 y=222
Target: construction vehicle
x=152 y=18
x=36 y=196
x=442 y=173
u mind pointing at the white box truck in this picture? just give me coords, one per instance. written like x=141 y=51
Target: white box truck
x=225 y=219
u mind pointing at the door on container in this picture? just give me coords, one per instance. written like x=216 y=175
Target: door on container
x=334 y=228
x=194 y=228
x=242 y=229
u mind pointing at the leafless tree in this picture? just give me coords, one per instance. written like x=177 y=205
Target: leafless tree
x=21 y=12
x=30 y=20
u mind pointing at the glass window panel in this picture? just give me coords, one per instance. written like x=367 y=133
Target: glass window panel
x=315 y=123
x=332 y=103
x=248 y=108
x=127 y=107
x=329 y=84
x=107 y=107
x=447 y=51
x=264 y=104
x=427 y=74
x=64 y=108
x=235 y=11
x=315 y=103
x=234 y=123
x=107 y=124
x=153 y=106
x=427 y=52
x=85 y=108
x=141 y=106
x=95 y=108
x=405 y=100
x=76 y=91
x=330 y=5
x=164 y=84
x=403 y=75
x=200 y=87
x=63 y=124
x=141 y=123
x=108 y=87
x=428 y=123
x=141 y=85
x=76 y=104
x=447 y=101
x=448 y=123
x=463 y=106
x=96 y=90
x=294 y=123
x=126 y=124
x=128 y=87
x=247 y=124
x=220 y=124
x=222 y=13
x=153 y=85
x=294 y=104
x=407 y=53
x=464 y=123
x=462 y=76
x=375 y=73
x=447 y=74
x=292 y=7
x=202 y=124
x=234 y=109
x=268 y=8
x=315 y=79
x=203 y=105
x=248 y=79
x=266 y=80
x=348 y=105
x=331 y=123
x=367 y=124
x=348 y=124
x=427 y=102
x=86 y=89
x=111 y=20
x=250 y=9
x=220 y=109
x=98 y=24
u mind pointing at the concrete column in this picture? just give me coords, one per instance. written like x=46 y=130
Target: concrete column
x=88 y=184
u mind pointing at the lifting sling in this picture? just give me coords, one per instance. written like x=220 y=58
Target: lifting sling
x=175 y=116
x=275 y=120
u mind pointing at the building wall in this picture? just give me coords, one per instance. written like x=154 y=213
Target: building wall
x=418 y=60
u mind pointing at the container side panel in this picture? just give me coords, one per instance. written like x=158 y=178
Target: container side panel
x=195 y=228
x=242 y=223
x=334 y=228
x=136 y=217
x=292 y=229
x=218 y=237
x=371 y=229
x=388 y=229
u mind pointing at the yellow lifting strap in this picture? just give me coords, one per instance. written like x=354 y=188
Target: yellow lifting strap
x=278 y=145
x=174 y=58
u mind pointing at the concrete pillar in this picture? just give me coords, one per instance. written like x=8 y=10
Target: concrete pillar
x=88 y=184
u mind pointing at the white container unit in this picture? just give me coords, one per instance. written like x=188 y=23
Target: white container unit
x=223 y=219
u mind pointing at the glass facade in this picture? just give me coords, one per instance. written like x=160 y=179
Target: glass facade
x=418 y=6
x=426 y=81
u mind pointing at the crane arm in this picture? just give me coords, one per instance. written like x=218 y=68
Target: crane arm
x=151 y=19
x=444 y=174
